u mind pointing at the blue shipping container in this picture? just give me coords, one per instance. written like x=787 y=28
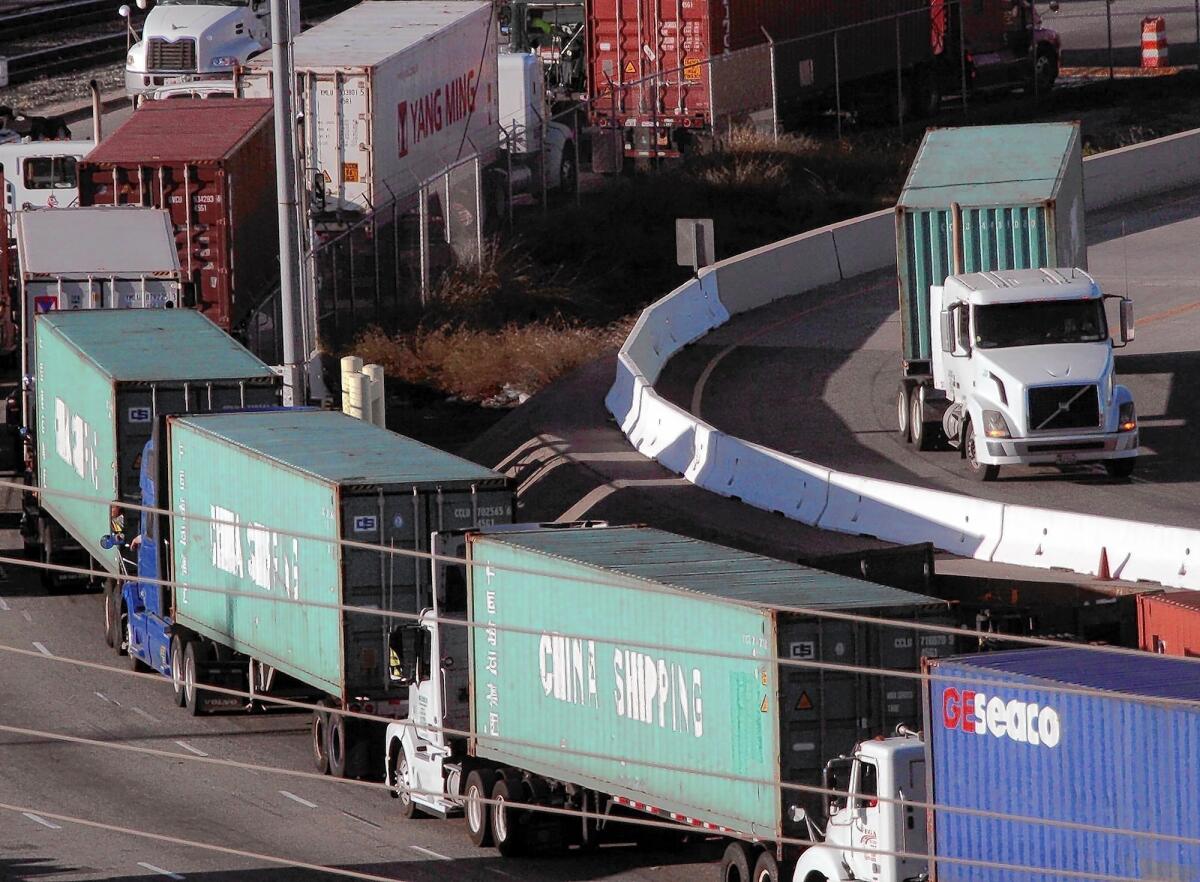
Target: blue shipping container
x=1128 y=759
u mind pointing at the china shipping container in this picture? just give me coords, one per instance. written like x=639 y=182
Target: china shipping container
x=1169 y=623
x=707 y=621
x=1019 y=192
x=289 y=486
x=650 y=72
x=1123 y=757
x=211 y=163
x=102 y=378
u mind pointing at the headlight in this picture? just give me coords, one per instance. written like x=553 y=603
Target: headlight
x=224 y=61
x=994 y=425
x=129 y=60
x=1127 y=418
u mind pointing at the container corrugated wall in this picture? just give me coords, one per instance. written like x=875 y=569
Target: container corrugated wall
x=1115 y=763
x=1169 y=623
x=994 y=238
x=614 y=697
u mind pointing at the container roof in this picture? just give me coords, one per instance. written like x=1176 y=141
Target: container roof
x=184 y=130
x=339 y=449
x=990 y=165
x=97 y=241
x=370 y=33
x=155 y=344
x=702 y=567
x=1153 y=676
x=1186 y=599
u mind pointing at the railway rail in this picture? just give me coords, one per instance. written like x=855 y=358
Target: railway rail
x=36 y=19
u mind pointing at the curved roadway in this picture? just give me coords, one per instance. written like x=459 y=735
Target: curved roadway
x=816 y=375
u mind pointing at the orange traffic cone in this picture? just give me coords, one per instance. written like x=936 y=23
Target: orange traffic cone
x=1102 y=572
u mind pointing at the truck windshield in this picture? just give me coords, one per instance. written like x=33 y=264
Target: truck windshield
x=1039 y=323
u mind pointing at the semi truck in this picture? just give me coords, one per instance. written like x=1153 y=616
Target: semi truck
x=393 y=94
x=102 y=377
x=182 y=41
x=630 y=671
x=211 y=164
x=663 y=79
x=1005 y=337
x=263 y=568
x=1031 y=765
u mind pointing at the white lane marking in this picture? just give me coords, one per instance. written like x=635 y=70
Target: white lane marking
x=430 y=853
x=104 y=697
x=27 y=616
x=40 y=820
x=191 y=749
x=41 y=647
x=299 y=799
x=3 y=604
x=159 y=870
x=142 y=713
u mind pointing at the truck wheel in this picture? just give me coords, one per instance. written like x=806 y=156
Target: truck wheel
x=568 y=174
x=1045 y=72
x=195 y=654
x=902 y=406
x=735 y=864
x=477 y=812
x=1120 y=468
x=336 y=744
x=508 y=825
x=320 y=749
x=766 y=868
x=918 y=428
x=979 y=471
x=177 y=671
x=110 y=613
x=402 y=780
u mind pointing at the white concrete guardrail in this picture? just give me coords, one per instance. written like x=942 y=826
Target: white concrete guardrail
x=902 y=513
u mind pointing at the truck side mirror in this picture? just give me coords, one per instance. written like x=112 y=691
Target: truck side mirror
x=1127 y=329
x=1054 y=5
x=946 y=324
x=142 y=4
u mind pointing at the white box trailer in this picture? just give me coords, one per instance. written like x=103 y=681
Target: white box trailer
x=392 y=93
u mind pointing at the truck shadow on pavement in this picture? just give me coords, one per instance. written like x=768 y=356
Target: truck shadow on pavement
x=32 y=868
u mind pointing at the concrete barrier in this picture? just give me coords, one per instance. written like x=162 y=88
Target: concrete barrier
x=900 y=513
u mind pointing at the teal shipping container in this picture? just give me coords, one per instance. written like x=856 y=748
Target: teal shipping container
x=646 y=666
x=102 y=379
x=278 y=490
x=1019 y=189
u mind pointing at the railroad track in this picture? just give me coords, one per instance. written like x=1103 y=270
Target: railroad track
x=66 y=57
x=38 y=19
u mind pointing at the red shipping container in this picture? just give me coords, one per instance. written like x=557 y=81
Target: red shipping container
x=211 y=163
x=1169 y=623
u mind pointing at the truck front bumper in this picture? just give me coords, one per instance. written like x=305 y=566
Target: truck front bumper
x=1059 y=449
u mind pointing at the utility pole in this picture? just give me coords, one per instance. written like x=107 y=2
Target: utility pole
x=285 y=182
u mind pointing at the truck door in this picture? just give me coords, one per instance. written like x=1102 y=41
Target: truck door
x=864 y=820
x=912 y=837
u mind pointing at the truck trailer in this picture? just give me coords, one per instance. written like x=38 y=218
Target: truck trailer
x=665 y=78
x=1038 y=764
x=211 y=164
x=626 y=670
x=103 y=376
x=1005 y=337
x=275 y=496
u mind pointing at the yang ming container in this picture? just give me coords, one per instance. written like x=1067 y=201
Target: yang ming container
x=1169 y=623
x=103 y=377
x=1019 y=191
x=281 y=491
x=211 y=164
x=1011 y=733
x=640 y=666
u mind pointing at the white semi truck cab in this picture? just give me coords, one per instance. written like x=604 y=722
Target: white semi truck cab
x=185 y=40
x=866 y=836
x=1023 y=373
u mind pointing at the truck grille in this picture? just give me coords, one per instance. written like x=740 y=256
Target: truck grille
x=1054 y=408
x=165 y=55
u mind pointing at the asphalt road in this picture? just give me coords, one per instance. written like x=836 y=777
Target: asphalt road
x=816 y=375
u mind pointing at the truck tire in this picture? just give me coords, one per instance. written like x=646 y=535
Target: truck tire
x=320 y=749
x=508 y=825
x=926 y=93
x=766 y=868
x=902 y=407
x=402 y=782
x=177 y=671
x=337 y=745
x=735 y=864
x=111 y=616
x=918 y=428
x=478 y=814
x=1120 y=468
x=978 y=470
x=568 y=173
x=1045 y=73
x=195 y=654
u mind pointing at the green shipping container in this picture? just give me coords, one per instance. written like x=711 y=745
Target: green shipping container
x=103 y=376
x=272 y=475
x=1020 y=191
x=637 y=649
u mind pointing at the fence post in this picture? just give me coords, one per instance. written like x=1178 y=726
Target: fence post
x=1108 y=15
x=423 y=239
x=478 y=210
x=396 y=273
x=962 y=54
x=544 y=150
x=837 y=84
x=774 y=86
x=575 y=141
x=375 y=260
x=899 y=81
x=1196 y=5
